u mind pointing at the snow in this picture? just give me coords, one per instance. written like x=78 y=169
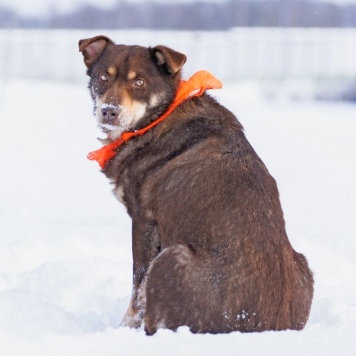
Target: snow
x=42 y=7
x=65 y=249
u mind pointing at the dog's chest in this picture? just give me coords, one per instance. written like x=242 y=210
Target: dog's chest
x=134 y=190
x=119 y=193
x=128 y=172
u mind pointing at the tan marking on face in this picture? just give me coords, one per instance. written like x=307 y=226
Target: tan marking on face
x=112 y=70
x=154 y=100
x=126 y=100
x=134 y=109
x=132 y=75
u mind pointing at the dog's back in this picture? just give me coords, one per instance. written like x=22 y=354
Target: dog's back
x=210 y=248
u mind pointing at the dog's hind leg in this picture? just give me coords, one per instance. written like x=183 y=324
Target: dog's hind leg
x=179 y=292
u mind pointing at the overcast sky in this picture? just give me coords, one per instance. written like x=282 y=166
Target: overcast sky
x=40 y=7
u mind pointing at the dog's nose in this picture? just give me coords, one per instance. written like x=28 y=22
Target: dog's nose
x=110 y=113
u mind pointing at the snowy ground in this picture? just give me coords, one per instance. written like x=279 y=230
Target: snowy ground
x=65 y=259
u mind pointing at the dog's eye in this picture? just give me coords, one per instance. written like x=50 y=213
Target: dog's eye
x=104 y=77
x=139 y=83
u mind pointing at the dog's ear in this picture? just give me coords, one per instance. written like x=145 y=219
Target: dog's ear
x=169 y=60
x=91 y=48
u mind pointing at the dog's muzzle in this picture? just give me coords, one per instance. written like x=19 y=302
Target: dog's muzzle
x=110 y=114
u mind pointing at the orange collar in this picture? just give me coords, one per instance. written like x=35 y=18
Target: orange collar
x=195 y=86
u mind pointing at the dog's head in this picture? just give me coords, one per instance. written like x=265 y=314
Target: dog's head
x=129 y=84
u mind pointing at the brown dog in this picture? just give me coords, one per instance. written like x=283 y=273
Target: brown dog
x=210 y=249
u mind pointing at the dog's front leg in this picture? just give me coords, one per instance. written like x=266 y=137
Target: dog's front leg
x=145 y=247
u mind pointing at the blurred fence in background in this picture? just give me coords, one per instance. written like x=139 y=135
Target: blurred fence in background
x=237 y=54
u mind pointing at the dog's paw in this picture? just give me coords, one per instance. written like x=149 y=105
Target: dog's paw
x=132 y=319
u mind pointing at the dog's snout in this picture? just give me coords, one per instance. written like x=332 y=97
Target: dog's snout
x=110 y=113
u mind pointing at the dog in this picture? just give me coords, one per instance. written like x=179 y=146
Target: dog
x=210 y=249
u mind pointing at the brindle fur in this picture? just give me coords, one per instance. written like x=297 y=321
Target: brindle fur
x=210 y=249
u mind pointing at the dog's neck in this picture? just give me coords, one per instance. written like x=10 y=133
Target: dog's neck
x=195 y=86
